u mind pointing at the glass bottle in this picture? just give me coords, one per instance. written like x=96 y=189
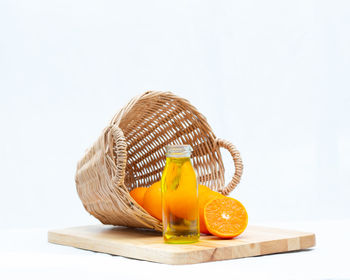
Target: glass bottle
x=179 y=196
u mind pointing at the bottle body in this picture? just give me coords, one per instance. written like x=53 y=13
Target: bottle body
x=180 y=198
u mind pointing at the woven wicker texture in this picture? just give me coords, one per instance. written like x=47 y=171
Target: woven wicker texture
x=130 y=153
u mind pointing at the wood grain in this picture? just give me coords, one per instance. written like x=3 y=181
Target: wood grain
x=148 y=245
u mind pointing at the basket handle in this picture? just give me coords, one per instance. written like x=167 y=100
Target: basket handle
x=117 y=146
x=237 y=161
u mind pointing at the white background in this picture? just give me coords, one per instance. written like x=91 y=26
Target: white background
x=270 y=76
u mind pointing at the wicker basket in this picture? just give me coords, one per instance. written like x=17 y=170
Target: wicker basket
x=130 y=153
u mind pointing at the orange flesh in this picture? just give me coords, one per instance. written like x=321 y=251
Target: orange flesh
x=225 y=217
x=205 y=195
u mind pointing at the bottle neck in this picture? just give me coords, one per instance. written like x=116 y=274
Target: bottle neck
x=178 y=151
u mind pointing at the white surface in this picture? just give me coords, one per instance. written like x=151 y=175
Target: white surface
x=26 y=254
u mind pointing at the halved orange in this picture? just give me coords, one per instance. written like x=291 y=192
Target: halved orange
x=225 y=217
x=205 y=195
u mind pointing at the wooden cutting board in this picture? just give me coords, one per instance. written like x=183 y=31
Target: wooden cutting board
x=148 y=245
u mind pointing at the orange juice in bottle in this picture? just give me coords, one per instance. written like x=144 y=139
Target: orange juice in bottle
x=179 y=196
